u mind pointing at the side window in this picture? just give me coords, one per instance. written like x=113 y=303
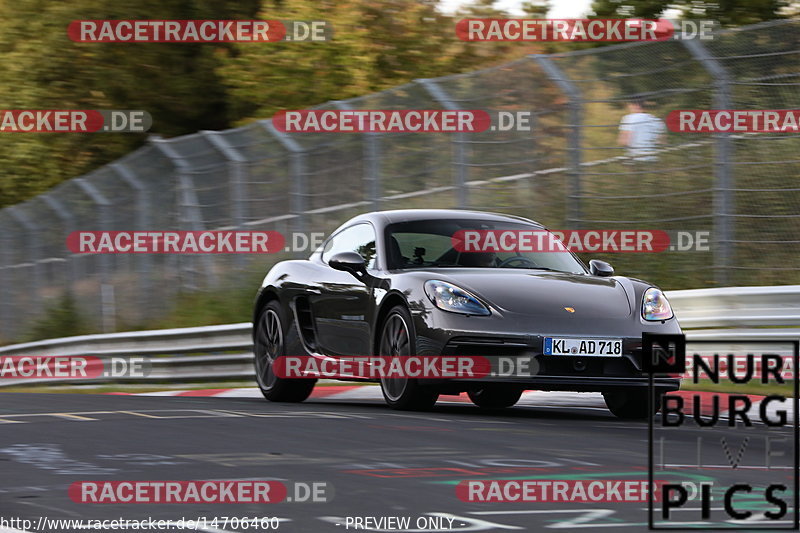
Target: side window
x=359 y=238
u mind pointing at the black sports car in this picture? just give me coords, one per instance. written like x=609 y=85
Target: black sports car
x=391 y=283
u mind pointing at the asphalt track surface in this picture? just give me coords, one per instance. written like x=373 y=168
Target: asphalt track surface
x=376 y=462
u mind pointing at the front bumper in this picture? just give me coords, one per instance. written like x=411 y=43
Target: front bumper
x=523 y=363
x=539 y=371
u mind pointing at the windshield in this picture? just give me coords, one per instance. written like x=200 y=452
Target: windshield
x=496 y=244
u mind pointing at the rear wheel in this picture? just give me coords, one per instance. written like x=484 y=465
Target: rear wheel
x=495 y=397
x=269 y=344
x=398 y=340
x=630 y=404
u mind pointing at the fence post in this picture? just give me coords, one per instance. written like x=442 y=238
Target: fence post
x=371 y=146
x=67 y=223
x=459 y=143
x=238 y=173
x=723 y=153
x=299 y=189
x=188 y=206
x=32 y=247
x=7 y=298
x=107 y=308
x=575 y=103
x=144 y=263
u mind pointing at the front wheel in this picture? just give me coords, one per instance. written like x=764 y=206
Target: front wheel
x=271 y=332
x=398 y=340
x=495 y=397
x=630 y=404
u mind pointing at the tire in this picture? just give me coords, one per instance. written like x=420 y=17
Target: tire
x=399 y=340
x=271 y=332
x=495 y=397
x=630 y=404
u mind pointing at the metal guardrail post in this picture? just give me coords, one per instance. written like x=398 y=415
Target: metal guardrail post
x=575 y=103
x=723 y=170
x=299 y=186
x=371 y=145
x=459 y=143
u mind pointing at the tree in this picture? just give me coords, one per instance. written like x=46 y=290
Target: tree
x=377 y=44
x=42 y=69
x=725 y=12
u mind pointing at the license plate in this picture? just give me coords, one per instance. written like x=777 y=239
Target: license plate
x=584 y=347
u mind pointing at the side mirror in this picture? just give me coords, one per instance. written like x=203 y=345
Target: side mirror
x=348 y=262
x=600 y=268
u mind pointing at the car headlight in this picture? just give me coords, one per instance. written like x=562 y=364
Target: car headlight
x=655 y=305
x=449 y=297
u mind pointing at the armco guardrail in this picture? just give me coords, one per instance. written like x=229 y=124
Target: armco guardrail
x=225 y=352
x=739 y=307
x=204 y=353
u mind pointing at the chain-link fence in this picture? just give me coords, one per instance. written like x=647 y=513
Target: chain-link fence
x=567 y=172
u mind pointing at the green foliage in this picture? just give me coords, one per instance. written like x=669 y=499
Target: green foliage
x=377 y=44
x=190 y=87
x=43 y=69
x=209 y=307
x=60 y=320
x=229 y=304
x=726 y=12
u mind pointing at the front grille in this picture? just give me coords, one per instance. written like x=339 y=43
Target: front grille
x=491 y=347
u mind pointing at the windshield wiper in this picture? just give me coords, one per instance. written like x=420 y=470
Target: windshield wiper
x=540 y=268
x=428 y=265
x=442 y=265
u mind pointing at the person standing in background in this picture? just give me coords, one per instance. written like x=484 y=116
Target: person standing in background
x=640 y=132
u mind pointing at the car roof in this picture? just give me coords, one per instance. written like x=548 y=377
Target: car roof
x=383 y=218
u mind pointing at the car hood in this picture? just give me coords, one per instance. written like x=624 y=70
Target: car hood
x=541 y=293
